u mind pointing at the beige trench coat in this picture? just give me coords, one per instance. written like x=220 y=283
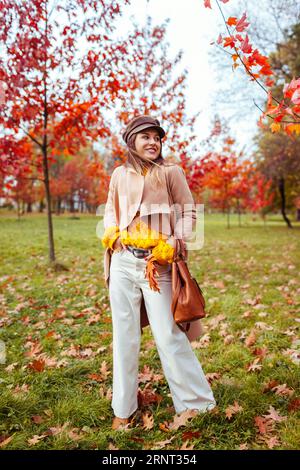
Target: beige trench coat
x=130 y=192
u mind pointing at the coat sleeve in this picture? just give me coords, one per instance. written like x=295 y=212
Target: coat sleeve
x=109 y=219
x=184 y=205
x=111 y=230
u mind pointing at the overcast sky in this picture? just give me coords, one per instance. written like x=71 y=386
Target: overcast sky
x=192 y=28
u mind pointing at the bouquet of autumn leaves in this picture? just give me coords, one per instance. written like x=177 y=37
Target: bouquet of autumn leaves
x=143 y=237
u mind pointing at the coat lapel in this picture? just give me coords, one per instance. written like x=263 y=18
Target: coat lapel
x=130 y=195
x=132 y=188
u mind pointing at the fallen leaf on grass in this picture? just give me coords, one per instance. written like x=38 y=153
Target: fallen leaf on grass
x=95 y=377
x=36 y=439
x=214 y=322
x=185 y=446
x=19 y=390
x=264 y=425
x=254 y=301
x=148 y=396
x=111 y=446
x=232 y=410
x=5 y=440
x=263 y=326
x=162 y=444
x=269 y=385
x=251 y=339
x=148 y=421
x=93 y=319
x=147 y=375
x=274 y=415
x=283 y=390
x=261 y=352
x=37 y=419
x=294 y=404
x=270 y=441
x=11 y=367
x=203 y=343
x=54 y=430
x=104 y=370
x=137 y=439
x=37 y=365
x=293 y=354
x=243 y=446
x=182 y=419
x=74 y=434
x=164 y=426
x=228 y=339
x=188 y=435
x=212 y=376
x=254 y=366
x=247 y=314
x=35 y=349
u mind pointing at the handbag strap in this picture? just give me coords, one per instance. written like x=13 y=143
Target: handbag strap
x=180 y=249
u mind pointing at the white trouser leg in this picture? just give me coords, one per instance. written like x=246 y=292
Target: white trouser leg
x=125 y=301
x=188 y=385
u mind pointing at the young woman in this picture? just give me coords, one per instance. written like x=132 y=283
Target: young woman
x=140 y=241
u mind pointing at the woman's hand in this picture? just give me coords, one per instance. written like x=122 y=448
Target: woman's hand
x=118 y=245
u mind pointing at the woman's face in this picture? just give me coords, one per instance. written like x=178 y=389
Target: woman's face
x=147 y=143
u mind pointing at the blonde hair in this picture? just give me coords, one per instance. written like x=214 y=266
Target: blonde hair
x=140 y=163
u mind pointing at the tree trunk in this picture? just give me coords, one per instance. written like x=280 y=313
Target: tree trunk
x=48 y=205
x=81 y=206
x=18 y=209
x=44 y=148
x=46 y=176
x=41 y=208
x=239 y=212
x=298 y=215
x=29 y=207
x=58 y=206
x=281 y=187
x=71 y=204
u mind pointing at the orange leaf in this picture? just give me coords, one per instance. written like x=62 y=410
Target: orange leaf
x=231 y=20
x=232 y=409
x=251 y=339
x=150 y=273
x=5 y=441
x=38 y=365
x=294 y=404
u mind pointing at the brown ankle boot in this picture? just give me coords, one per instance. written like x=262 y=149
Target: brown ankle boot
x=120 y=423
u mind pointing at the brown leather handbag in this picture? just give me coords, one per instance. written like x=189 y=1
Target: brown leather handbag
x=188 y=303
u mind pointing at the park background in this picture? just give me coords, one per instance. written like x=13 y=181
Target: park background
x=72 y=74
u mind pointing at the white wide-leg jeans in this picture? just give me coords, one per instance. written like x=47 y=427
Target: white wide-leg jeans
x=188 y=385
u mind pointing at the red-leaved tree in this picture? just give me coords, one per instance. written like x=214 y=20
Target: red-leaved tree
x=61 y=70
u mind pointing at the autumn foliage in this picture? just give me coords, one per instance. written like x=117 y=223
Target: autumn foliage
x=284 y=114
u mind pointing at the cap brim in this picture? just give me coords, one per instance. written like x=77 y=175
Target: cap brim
x=142 y=127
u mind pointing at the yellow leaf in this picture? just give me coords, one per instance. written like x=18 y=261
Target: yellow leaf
x=296 y=128
x=275 y=127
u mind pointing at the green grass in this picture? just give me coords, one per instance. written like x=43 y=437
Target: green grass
x=252 y=270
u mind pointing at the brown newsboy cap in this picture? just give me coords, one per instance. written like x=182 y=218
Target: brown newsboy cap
x=139 y=123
